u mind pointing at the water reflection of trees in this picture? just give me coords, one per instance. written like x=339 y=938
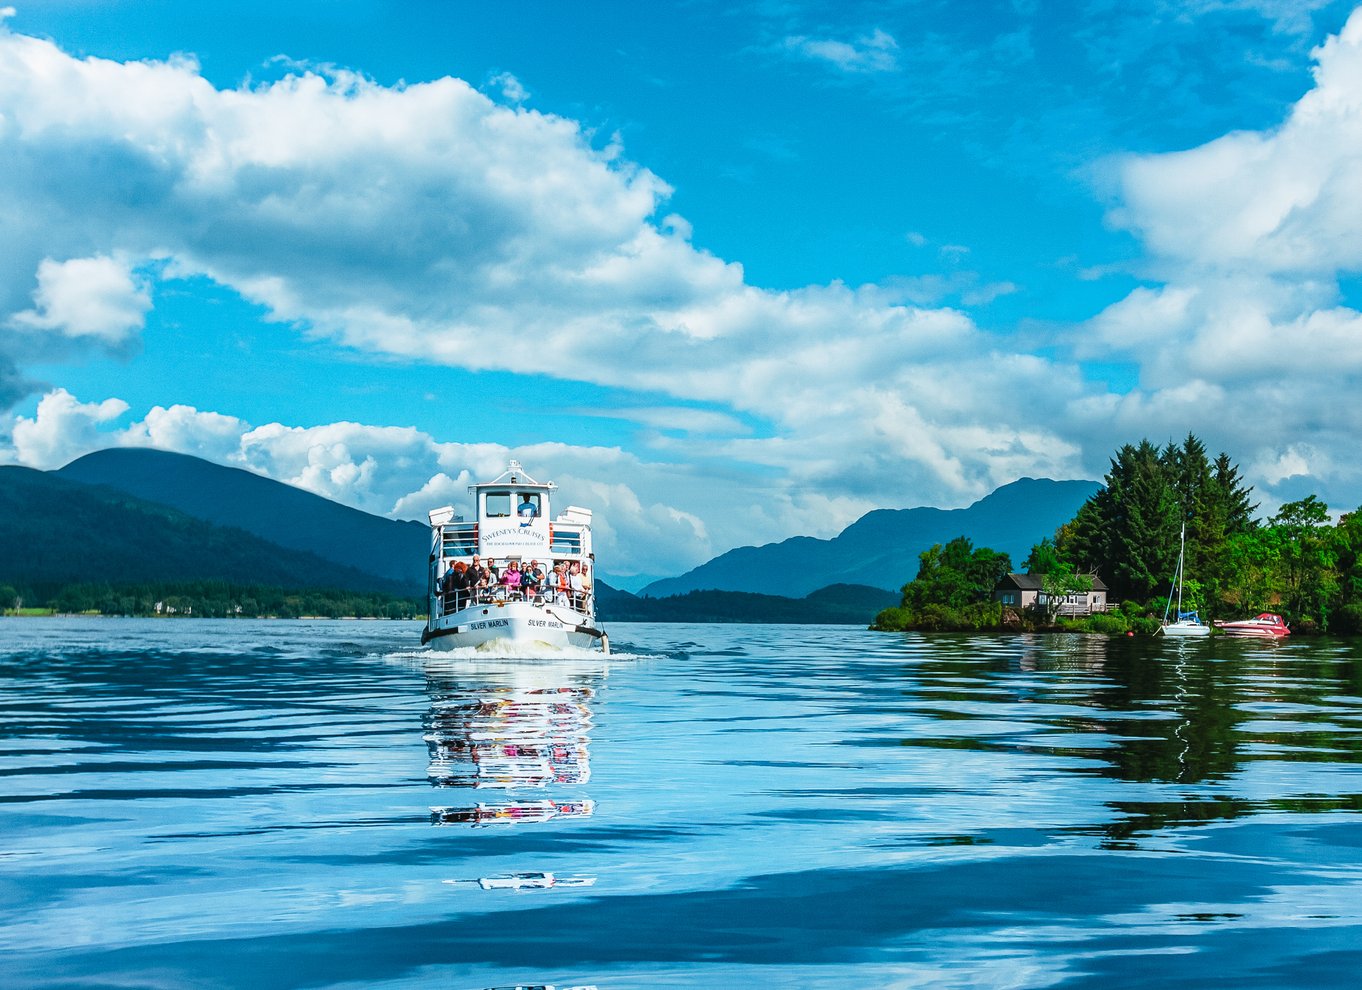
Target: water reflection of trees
x=519 y=732
x=1185 y=718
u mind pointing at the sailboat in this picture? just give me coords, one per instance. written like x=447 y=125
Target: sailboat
x=1187 y=623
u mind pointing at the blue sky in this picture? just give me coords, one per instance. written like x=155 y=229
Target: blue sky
x=727 y=272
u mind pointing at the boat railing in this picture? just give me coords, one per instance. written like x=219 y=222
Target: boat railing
x=460 y=539
x=450 y=602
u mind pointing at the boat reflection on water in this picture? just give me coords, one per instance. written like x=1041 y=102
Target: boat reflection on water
x=518 y=727
x=524 y=881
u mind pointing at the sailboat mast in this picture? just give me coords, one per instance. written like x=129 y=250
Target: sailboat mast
x=1182 y=551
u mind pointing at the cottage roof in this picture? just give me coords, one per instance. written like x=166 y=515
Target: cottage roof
x=1036 y=582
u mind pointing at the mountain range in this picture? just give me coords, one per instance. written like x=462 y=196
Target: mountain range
x=881 y=548
x=57 y=531
x=136 y=514
x=281 y=514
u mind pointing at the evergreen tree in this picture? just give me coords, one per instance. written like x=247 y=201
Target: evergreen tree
x=1143 y=531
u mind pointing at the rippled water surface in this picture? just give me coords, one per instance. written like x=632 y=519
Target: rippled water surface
x=321 y=804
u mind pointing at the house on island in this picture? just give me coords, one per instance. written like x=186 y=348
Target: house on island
x=1022 y=591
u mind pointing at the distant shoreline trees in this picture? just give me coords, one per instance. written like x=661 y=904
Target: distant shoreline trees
x=207 y=599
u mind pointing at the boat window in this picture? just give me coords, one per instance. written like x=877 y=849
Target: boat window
x=527 y=506
x=498 y=504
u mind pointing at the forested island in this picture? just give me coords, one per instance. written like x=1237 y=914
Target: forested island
x=1298 y=563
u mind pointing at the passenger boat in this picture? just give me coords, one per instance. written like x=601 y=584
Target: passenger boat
x=513 y=527
x=1186 y=623
x=1264 y=625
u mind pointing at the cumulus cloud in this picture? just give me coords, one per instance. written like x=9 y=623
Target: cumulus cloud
x=1284 y=201
x=1243 y=325
x=95 y=297
x=650 y=517
x=428 y=222
x=63 y=429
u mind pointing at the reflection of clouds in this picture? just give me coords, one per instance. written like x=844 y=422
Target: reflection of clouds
x=515 y=727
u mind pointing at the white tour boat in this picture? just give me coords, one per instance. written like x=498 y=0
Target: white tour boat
x=512 y=528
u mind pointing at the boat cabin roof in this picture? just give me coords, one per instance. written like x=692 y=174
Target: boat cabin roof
x=514 y=477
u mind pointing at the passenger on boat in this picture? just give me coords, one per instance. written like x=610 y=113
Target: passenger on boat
x=510 y=578
x=455 y=586
x=476 y=578
x=558 y=583
x=532 y=579
x=575 y=583
x=586 y=583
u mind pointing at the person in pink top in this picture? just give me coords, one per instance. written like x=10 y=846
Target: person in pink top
x=510 y=578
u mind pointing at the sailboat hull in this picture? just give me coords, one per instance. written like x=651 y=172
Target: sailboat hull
x=1186 y=629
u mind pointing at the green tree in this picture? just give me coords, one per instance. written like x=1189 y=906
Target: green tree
x=1308 y=559
x=1145 y=525
x=1346 y=540
x=955 y=575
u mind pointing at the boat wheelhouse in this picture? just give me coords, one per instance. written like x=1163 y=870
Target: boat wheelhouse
x=473 y=600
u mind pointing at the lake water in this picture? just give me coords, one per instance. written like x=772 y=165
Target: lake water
x=190 y=803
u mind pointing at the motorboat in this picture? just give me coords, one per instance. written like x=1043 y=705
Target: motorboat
x=473 y=601
x=1186 y=623
x=1264 y=625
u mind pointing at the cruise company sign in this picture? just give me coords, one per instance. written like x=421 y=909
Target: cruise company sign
x=511 y=539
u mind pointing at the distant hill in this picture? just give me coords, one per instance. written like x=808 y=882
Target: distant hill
x=54 y=530
x=881 y=548
x=836 y=605
x=289 y=517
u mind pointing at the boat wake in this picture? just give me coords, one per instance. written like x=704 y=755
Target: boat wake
x=513 y=650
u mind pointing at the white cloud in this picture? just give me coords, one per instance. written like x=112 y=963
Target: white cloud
x=512 y=90
x=1286 y=201
x=95 y=297
x=1277 y=466
x=874 y=52
x=1244 y=337
x=649 y=516
x=62 y=429
x=427 y=222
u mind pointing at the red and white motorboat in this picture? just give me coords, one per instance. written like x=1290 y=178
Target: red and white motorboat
x=1264 y=625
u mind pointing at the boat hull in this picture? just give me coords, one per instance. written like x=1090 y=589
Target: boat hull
x=513 y=623
x=1264 y=626
x=1186 y=629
